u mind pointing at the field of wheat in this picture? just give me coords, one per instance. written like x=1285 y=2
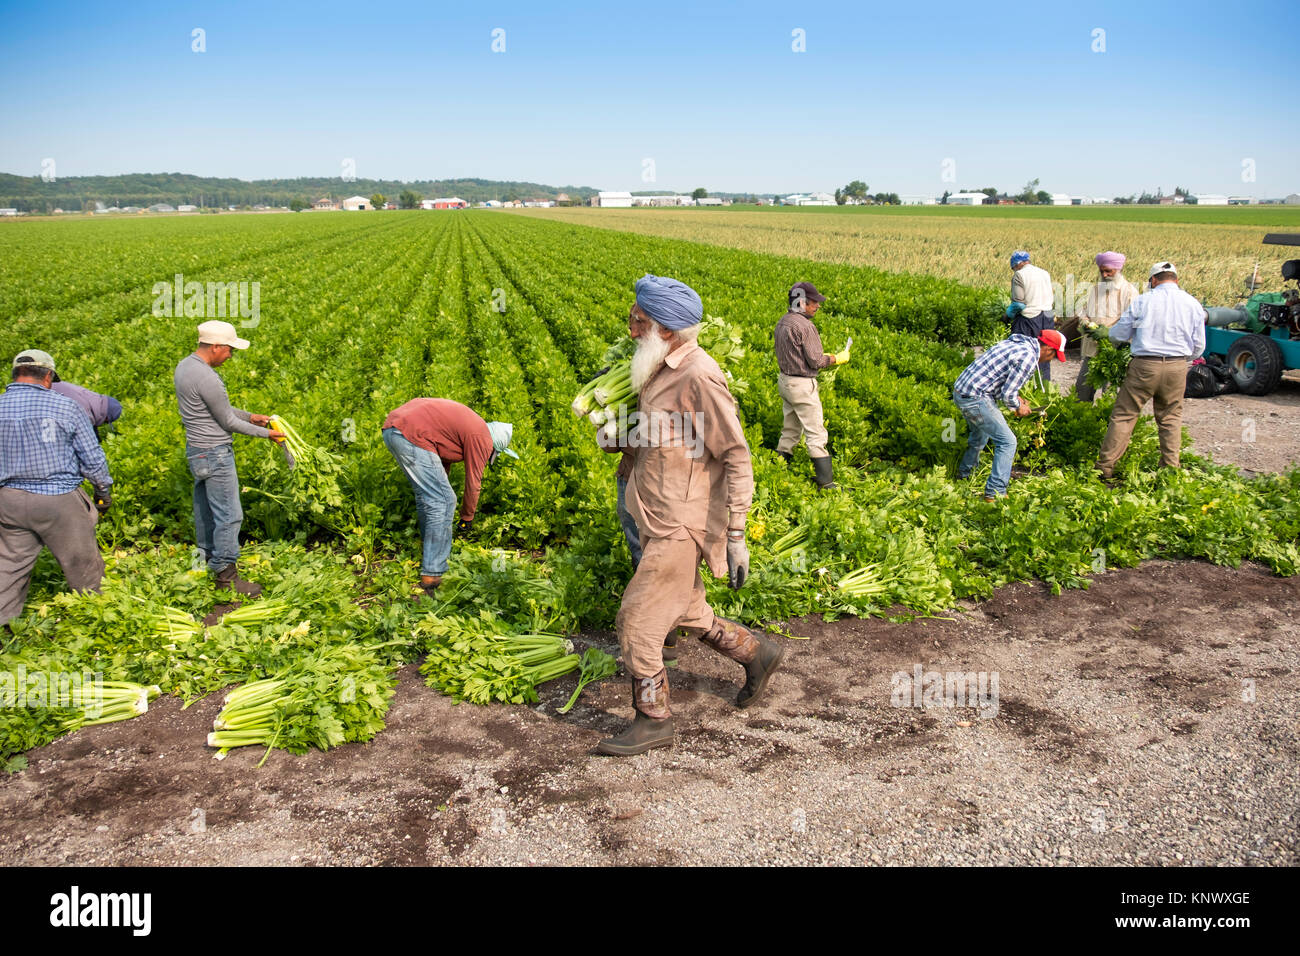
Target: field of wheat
x=1214 y=257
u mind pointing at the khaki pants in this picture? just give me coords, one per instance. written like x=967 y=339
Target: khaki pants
x=63 y=523
x=1162 y=381
x=803 y=415
x=667 y=591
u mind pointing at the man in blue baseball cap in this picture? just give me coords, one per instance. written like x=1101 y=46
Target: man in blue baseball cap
x=1032 y=302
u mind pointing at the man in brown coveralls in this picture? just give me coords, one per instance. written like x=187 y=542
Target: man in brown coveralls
x=690 y=491
x=799 y=357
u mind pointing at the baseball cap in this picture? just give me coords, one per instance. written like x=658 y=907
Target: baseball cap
x=1161 y=267
x=1054 y=339
x=1019 y=256
x=501 y=433
x=217 y=332
x=807 y=291
x=35 y=358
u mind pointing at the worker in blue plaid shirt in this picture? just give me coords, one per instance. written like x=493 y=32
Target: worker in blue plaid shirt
x=1001 y=372
x=47 y=447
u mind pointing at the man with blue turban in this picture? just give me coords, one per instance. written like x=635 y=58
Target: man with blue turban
x=1032 y=302
x=689 y=491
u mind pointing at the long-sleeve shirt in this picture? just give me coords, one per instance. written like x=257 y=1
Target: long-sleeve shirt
x=1106 y=302
x=692 y=476
x=206 y=412
x=101 y=409
x=799 y=347
x=1002 y=370
x=1164 y=322
x=1032 y=286
x=47 y=444
x=453 y=432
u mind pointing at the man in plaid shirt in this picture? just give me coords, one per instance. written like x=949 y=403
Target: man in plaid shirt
x=47 y=446
x=1000 y=373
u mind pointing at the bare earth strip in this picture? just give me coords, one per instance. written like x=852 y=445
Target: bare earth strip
x=1150 y=719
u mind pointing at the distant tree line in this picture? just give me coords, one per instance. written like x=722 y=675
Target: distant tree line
x=33 y=194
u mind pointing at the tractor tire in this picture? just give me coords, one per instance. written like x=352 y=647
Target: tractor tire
x=1256 y=364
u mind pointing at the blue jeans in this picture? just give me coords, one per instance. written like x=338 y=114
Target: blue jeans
x=217 y=512
x=435 y=502
x=629 y=526
x=987 y=425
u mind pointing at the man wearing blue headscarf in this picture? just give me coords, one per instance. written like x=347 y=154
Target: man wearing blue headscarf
x=689 y=491
x=1032 y=302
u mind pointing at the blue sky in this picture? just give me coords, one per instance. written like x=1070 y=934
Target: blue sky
x=712 y=95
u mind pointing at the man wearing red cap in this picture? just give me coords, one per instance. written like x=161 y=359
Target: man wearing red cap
x=1000 y=372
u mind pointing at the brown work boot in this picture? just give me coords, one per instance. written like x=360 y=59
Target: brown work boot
x=228 y=577
x=652 y=725
x=670 y=647
x=731 y=640
x=759 y=671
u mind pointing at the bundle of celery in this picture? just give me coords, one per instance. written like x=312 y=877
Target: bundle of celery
x=477 y=660
x=791 y=544
x=313 y=479
x=108 y=701
x=338 y=694
x=604 y=396
x=864 y=583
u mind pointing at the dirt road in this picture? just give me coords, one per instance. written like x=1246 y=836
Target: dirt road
x=1150 y=719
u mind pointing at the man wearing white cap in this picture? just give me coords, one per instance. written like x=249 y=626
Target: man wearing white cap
x=1167 y=329
x=47 y=448
x=210 y=421
x=426 y=435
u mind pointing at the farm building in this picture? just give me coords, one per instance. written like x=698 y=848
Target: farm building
x=8 y=211
x=325 y=205
x=187 y=207
x=1061 y=199
x=1210 y=199
x=709 y=201
x=1241 y=200
x=445 y=202
x=661 y=200
x=162 y=207
x=355 y=203
x=810 y=199
x=967 y=199
x=918 y=200
x=620 y=200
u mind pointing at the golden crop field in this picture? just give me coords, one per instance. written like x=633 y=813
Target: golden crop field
x=1214 y=258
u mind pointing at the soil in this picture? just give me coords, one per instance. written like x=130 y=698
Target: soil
x=1149 y=719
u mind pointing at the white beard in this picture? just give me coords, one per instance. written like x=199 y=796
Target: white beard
x=650 y=353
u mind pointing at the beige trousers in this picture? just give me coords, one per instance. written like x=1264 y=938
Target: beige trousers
x=803 y=415
x=63 y=523
x=667 y=591
x=1162 y=381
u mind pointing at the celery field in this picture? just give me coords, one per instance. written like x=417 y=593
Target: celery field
x=511 y=315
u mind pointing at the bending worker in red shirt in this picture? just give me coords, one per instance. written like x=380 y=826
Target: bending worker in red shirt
x=426 y=435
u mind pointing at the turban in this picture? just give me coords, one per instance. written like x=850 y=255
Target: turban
x=1110 y=260
x=1019 y=256
x=672 y=304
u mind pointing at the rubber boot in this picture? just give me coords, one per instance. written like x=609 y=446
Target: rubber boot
x=822 y=472
x=652 y=725
x=759 y=656
x=788 y=456
x=228 y=577
x=759 y=671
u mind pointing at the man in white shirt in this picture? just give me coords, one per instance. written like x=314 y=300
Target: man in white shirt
x=1032 y=302
x=1167 y=329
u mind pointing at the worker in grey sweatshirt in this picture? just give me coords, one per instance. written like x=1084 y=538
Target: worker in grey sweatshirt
x=209 y=423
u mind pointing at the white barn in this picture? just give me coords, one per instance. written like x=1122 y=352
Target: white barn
x=613 y=199
x=1211 y=199
x=967 y=199
x=355 y=203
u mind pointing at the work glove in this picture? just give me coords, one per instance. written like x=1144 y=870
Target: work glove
x=737 y=561
x=103 y=500
x=1014 y=309
x=464 y=526
x=842 y=357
